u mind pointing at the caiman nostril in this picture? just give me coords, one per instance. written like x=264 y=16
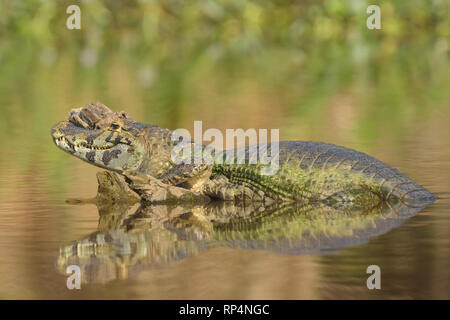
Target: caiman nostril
x=56 y=134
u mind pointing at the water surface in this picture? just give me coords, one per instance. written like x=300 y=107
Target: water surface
x=315 y=256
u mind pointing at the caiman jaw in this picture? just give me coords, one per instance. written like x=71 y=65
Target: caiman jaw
x=107 y=148
x=65 y=144
x=72 y=139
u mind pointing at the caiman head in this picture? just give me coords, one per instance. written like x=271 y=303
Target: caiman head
x=118 y=146
x=113 y=141
x=103 y=138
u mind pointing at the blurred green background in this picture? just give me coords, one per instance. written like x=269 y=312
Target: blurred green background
x=310 y=68
x=172 y=61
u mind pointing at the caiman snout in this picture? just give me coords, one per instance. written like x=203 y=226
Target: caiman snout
x=56 y=134
x=110 y=147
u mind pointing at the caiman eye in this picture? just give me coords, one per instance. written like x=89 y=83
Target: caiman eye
x=115 y=126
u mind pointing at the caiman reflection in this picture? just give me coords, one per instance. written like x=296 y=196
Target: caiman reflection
x=131 y=238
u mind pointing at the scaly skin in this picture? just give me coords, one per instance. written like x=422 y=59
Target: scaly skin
x=309 y=172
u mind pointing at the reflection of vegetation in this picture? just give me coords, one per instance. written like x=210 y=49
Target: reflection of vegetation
x=306 y=51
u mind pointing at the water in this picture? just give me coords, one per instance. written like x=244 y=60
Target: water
x=36 y=224
x=314 y=71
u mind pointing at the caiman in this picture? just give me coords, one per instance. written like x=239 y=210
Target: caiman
x=308 y=172
x=130 y=239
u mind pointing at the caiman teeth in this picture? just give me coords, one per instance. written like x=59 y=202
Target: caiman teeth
x=75 y=147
